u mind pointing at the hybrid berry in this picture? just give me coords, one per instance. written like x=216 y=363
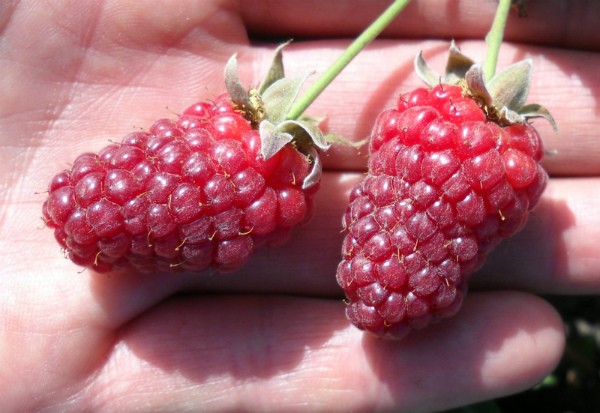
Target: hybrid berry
x=201 y=191
x=453 y=170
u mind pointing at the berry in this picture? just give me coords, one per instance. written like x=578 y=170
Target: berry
x=192 y=193
x=449 y=177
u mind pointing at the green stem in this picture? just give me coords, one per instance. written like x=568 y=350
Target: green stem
x=494 y=38
x=304 y=101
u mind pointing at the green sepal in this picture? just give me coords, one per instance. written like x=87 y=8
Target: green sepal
x=337 y=139
x=306 y=136
x=238 y=93
x=276 y=71
x=304 y=133
x=280 y=96
x=503 y=97
x=267 y=108
x=248 y=102
x=272 y=138
x=534 y=110
x=457 y=65
x=476 y=85
x=425 y=73
x=310 y=132
x=314 y=176
x=510 y=87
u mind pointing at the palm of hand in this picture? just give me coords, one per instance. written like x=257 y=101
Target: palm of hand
x=123 y=342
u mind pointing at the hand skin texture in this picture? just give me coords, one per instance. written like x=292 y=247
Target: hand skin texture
x=273 y=337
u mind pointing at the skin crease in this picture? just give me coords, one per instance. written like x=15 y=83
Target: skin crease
x=273 y=336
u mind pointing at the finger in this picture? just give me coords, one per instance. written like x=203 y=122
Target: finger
x=278 y=353
x=557 y=251
x=557 y=23
x=563 y=81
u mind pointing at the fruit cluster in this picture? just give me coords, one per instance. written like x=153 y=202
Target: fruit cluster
x=453 y=169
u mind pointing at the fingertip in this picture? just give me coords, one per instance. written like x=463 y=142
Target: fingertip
x=531 y=351
x=500 y=343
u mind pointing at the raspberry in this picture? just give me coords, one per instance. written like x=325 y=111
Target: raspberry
x=191 y=193
x=446 y=183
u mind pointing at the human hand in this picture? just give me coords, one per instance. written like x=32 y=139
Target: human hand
x=272 y=336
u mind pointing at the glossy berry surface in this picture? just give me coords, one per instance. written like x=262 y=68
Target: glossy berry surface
x=445 y=185
x=188 y=194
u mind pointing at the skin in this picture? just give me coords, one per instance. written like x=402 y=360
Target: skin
x=273 y=336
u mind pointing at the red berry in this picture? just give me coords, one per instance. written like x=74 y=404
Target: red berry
x=188 y=194
x=444 y=186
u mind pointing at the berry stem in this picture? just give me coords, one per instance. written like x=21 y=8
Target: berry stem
x=494 y=38
x=370 y=33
